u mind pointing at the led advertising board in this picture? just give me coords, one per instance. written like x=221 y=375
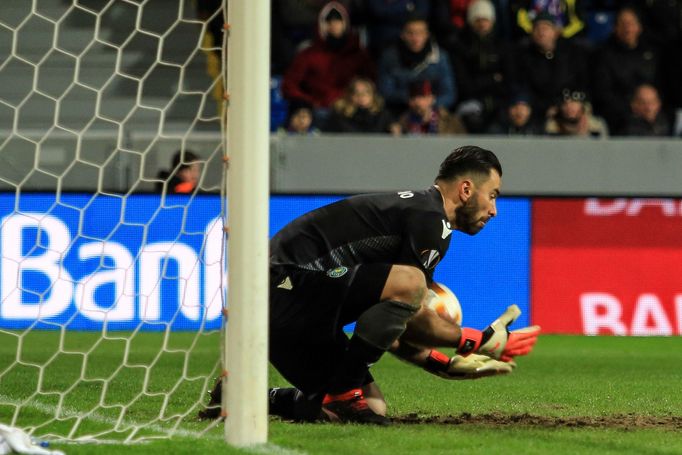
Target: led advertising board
x=84 y=261
x=607 y=266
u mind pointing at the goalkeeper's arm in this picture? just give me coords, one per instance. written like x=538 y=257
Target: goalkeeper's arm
x=427 y=329
x=456 y=367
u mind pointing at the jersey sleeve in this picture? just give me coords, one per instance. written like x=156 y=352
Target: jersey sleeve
x=427 y=237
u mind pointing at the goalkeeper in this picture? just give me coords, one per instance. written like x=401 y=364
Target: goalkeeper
x=369 y=259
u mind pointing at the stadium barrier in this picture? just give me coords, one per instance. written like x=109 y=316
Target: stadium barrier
x=346 y=164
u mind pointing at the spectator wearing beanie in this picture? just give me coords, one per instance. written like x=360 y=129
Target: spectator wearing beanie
x=481 y=64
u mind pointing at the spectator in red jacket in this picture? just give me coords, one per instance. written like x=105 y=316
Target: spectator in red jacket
x=320 y=73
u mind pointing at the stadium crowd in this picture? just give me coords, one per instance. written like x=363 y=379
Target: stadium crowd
x=515 y=67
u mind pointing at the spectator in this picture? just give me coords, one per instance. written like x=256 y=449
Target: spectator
x=320 y=73
x=480 y=62
x=415 y=58
x=385 y=19
x=210 y=11
x=425 y=116
x=661 y=21
x=293 y=25
x=573 y=117
x=672 y=69
x=546 y=64
x=449 y=17
x=662 y=24
x=299 y=120
x=624 y=63
x=517 y=119
x=361 y=110
x=183 y=177
x=646 y=117
x=567 y=13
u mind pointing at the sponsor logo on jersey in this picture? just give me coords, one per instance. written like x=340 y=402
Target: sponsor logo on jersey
x=337 y=272
x=430 y=258
x=447 y=229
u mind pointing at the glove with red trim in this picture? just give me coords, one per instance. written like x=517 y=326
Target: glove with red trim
x=474 y=366
x=497 y=341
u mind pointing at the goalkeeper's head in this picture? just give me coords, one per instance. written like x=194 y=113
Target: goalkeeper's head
x=469 y=180
x=469 y=160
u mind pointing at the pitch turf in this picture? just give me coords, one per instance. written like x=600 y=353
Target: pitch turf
x=572 y=395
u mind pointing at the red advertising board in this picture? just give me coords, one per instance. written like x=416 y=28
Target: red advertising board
x=607 y=266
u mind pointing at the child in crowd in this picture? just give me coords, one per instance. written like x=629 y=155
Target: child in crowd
x=361 y=110
x=299 y=120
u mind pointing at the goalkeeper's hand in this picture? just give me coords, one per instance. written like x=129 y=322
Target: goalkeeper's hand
x=497 y=341
x=473 y=366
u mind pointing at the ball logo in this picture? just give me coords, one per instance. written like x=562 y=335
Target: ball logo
x=337 y=272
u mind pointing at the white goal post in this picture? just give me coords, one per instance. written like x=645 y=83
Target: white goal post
x=248 y=83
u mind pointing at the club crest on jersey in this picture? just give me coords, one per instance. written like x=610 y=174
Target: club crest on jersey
x=429 y=258
x=337 y=272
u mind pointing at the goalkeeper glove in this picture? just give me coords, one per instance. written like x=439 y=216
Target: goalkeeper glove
x=497 y=341
x=473 y=366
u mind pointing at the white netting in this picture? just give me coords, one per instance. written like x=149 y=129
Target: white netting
x=111 y=286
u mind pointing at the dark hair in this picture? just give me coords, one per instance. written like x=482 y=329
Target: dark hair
x=181 y=161
x=295 y=106
x=415 y=17
x=468 y=159
x=629 y=7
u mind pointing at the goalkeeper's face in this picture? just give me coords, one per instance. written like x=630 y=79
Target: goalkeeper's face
x=481 y=207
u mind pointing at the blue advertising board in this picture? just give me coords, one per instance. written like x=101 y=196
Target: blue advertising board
x=144 y=262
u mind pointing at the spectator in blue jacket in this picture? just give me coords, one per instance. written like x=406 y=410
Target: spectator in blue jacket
x=415 y=57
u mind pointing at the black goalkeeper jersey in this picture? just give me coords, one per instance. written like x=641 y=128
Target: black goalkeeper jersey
x=407 y=227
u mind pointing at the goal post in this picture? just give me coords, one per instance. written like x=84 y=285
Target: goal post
x=248 y=76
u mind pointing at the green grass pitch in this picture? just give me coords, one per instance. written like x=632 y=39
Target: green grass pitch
x=594 y=395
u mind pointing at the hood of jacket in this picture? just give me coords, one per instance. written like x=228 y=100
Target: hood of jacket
x=322 y=28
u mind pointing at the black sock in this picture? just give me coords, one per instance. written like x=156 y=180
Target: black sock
x=281 y=401
x=290 y=403
x=352 y=369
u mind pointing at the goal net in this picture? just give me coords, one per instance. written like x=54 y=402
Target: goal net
x=111 y=284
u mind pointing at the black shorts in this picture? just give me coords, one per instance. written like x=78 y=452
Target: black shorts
x=308 y=310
